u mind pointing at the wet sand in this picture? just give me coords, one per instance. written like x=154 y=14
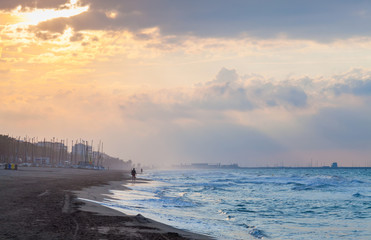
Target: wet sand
x=42 y=203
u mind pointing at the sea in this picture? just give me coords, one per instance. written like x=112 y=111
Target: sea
x=266 y=203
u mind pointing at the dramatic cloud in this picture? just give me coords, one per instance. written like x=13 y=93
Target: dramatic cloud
x=261 y=19
x=253 y=82
x=230 y=91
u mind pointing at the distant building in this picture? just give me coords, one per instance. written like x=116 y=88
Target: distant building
x=81 y=149
x=53 y=145
x=334 y=165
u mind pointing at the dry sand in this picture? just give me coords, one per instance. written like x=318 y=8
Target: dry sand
x=41 y=203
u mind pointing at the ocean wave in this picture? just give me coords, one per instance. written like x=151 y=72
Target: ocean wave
x=176 y=202
x=256 y=233
x=245 y=210
x=357 y=181
x=220 y=202
x=359 y=195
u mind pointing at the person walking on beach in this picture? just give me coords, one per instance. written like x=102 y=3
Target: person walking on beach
x=133 y=174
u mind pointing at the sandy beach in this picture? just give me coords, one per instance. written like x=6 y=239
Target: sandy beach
x=42 y=203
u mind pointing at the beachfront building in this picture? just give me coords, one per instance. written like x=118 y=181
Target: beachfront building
x=81 y=149
x=54 y=153
x=82 y=152
x=57 y=146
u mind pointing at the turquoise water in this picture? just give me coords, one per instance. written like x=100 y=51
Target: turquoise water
x=256 y=203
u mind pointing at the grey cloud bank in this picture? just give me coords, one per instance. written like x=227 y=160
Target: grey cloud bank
x=318 y=20
x=314 y=20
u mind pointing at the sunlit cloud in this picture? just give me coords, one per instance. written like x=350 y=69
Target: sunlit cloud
x=33 y=16
x=112 y=14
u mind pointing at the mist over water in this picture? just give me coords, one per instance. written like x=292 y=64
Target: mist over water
x=256 y=203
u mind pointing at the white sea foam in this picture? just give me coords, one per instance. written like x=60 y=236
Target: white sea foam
x=257 y=203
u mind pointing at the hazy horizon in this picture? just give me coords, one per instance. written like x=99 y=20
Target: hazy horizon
x=160 y=82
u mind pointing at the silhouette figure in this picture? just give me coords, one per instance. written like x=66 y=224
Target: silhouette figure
x=133 y=174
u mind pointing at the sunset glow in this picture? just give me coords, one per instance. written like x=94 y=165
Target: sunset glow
x=35 y=16
x=181 y=81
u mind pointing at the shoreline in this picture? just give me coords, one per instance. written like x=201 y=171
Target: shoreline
x=43 y=203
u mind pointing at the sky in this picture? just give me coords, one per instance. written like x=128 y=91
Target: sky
x=160 y=82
